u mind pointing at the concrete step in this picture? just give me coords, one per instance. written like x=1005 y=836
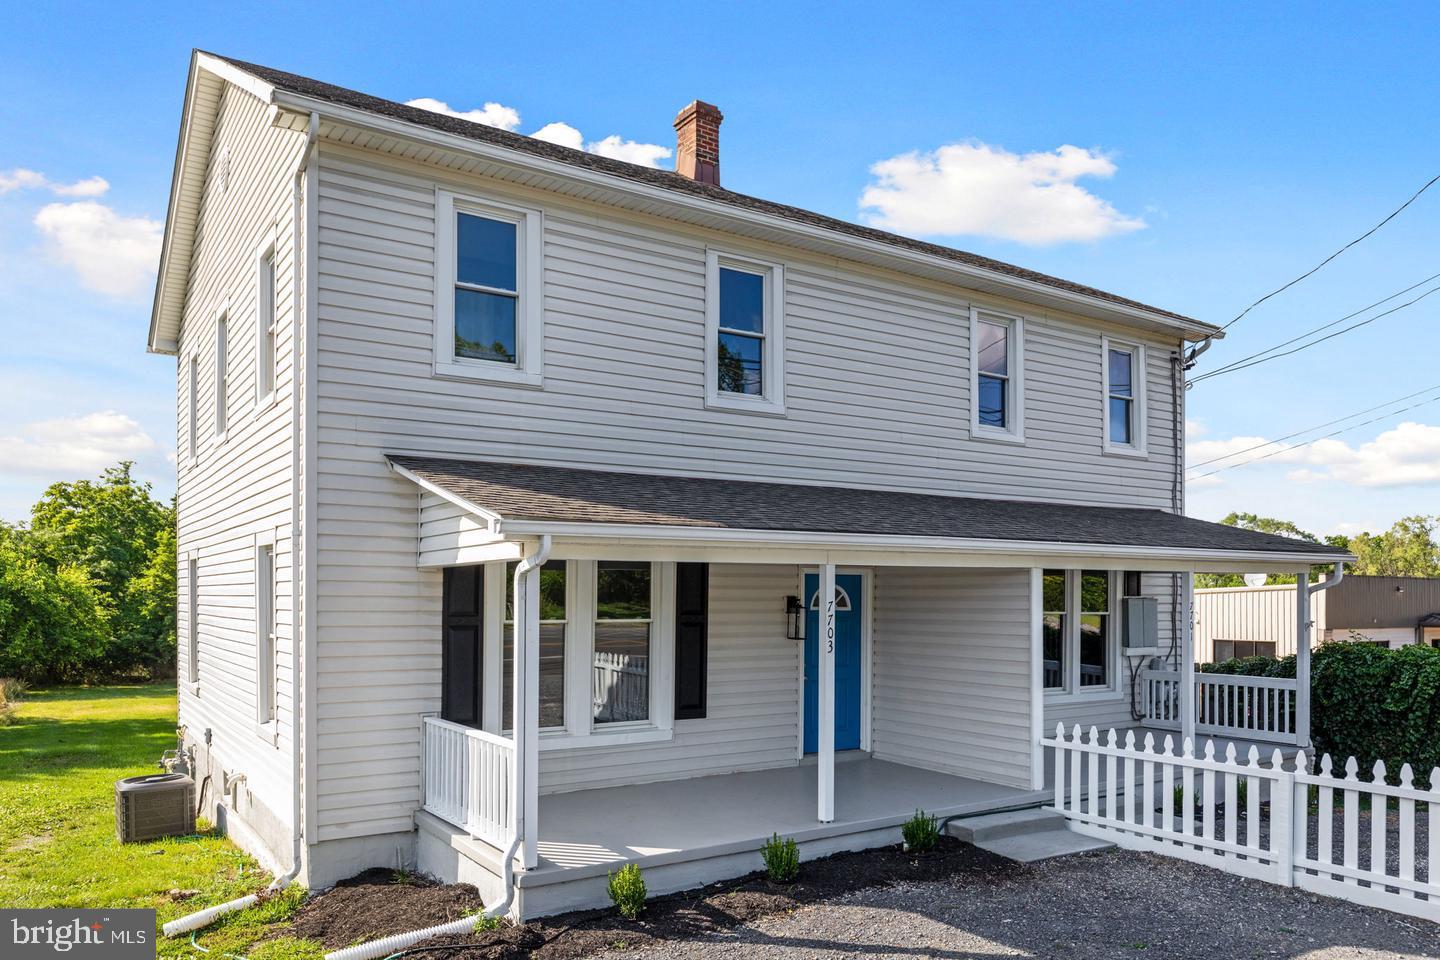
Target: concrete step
x=1012 y=823
x=1035 y=847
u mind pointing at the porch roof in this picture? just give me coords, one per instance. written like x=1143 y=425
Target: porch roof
x=526 y=500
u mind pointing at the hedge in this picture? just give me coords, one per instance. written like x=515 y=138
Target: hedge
x=1368 y=702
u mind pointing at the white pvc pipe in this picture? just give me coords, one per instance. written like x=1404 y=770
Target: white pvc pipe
x=209 y=915
x=389 y=945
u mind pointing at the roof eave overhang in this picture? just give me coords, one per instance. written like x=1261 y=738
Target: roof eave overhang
x=187 y=184
x=1208 y=559
x=341 y=123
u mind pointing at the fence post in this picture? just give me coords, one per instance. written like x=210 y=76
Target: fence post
x=1283 y=821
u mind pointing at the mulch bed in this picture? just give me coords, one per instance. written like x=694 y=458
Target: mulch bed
x=373 y=905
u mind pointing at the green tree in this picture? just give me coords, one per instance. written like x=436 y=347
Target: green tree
x=1251 y=521
x=1407 y=549
x=54 y=623
x=123 y=541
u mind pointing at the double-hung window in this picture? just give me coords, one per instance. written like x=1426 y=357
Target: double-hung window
x=745 y=334
x=997 y=376
x=488 y=297
x=265 y=325
x=222 y=350
x=1124 y=391
x=553 y=603
x=1078 y=641
x=623 y=633
x=265 y=633
x=192 y=406
x=192 y=619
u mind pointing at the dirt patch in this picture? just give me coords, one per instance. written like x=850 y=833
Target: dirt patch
x=718 y=907
x=379 y=903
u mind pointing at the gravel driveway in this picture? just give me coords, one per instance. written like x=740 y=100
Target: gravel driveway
x=1114 y=904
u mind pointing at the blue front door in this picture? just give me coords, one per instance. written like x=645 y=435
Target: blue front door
x=848 y=596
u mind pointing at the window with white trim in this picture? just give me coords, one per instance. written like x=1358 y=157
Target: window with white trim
x=221 y=361
x=744 y=334
x=488 y=297
x=997 y=376
x=624 y=602
x=192 y=405
x=554 y=600
x=265 y=325
x=1079 y=636
x=265 y=633
x=192 y=620
x=1124 y=391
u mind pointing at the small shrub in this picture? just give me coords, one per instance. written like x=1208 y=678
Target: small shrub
x=921 y=832
x=627 y=890
x=782 y=859
x=484 y=924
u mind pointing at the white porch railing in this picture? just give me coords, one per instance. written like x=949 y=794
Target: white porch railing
x=1254 y=820
x=1256 y=708
x=467 y=775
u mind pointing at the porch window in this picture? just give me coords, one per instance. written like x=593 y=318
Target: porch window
x=623 y=631
x=488 y=276
x=1054 y=666
x=1233 y=649
x=1078 y=639
x=1094 y=628
x=997 y=398
x=1124 y=391
x=745 y=334
x=552 y=646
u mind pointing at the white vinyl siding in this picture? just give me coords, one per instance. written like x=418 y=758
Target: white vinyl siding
x=876 y=394
x=952 y=671
x=238 y=493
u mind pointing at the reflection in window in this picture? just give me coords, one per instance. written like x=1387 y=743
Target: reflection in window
x=1053 y=624
x=486 y=288
x=552 y=646
x=1121 y=399
x=741 y=338
x=993 y=378
x=621 y=663
x=1094 y=628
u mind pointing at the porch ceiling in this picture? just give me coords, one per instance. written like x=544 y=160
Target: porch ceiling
x=522 y=500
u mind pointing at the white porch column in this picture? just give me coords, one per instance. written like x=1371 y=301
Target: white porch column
x=525 y=708
x=825 y=695
x=1037 y=685
x=1302 y=657
x=1187 y=658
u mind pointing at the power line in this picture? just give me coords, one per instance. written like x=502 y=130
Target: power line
x=1270 y=353
x=1335 y=433
x=1318 y=426
x=1395 y=213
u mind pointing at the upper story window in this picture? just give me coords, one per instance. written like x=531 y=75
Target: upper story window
x=745 y=334
x=1124 y=391
x=192 y=405
x=488 y=298
x=222 y=349
x=997 y=376
x=265 y=325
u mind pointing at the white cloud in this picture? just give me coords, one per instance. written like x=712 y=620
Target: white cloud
x=645 y=154
x=21 y=179
x=75 y=446
x=561 y=133
x=492 y=114
x=975 y=188
x=111 y=254
x=1406 y=455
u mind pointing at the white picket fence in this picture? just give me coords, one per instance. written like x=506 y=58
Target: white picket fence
x=1255 y=708
x=621 y=687
x=1253 y=818
x=467 y=775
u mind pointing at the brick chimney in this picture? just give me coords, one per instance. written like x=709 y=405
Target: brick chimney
x=697 y=146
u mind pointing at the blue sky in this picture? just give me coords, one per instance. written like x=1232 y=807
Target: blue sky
x=1213 y=154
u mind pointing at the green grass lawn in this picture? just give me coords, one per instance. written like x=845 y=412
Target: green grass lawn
x=59 y=762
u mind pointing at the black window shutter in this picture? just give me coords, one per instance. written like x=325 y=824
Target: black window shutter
x=692 y=601
x=460 y=661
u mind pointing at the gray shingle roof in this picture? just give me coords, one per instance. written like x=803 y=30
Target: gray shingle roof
x=668 y=179
x=523 y=492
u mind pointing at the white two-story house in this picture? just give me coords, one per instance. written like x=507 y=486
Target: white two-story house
x=540 y=512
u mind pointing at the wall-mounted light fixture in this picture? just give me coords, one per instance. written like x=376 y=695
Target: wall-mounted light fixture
x=794 y=618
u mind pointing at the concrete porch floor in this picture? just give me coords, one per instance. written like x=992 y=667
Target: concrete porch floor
x=674 y=820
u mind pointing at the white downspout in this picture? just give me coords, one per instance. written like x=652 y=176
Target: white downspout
x=1304 y=616
x=203 y=918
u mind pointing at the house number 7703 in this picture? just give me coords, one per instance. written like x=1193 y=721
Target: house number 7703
x=830 y=627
